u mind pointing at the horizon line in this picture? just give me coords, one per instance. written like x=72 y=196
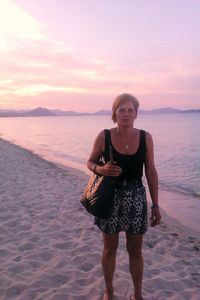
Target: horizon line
x=90 y=112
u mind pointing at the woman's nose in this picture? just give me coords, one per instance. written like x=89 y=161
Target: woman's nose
x=126 y=112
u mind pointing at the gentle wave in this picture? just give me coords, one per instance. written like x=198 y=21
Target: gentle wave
x=179 y=189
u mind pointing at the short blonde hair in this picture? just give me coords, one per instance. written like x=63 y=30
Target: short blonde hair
x=122 y=99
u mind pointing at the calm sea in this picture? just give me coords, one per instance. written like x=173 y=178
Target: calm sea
x=68 y=140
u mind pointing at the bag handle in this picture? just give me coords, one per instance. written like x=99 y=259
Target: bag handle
x=109 y=145
x=111 y=154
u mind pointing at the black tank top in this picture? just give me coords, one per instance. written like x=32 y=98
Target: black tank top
x=132 y=165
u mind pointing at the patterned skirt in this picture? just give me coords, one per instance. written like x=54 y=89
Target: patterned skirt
x=129 y=213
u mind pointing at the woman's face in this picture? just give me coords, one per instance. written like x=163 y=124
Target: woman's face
x=126 y=114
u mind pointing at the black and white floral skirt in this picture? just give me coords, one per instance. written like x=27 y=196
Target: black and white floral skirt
x=129 y=213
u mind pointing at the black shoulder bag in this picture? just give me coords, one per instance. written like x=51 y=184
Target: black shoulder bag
x=98 y=196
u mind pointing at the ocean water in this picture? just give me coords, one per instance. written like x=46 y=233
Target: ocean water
x=68 y=140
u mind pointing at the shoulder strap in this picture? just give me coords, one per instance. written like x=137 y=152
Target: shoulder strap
x=108 y=144
x=143 y=140
x=107 y=138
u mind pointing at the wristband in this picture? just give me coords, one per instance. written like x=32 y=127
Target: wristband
x=154 y=206
x=94 y=168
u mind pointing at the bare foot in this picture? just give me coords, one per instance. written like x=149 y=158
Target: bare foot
x=108 y=295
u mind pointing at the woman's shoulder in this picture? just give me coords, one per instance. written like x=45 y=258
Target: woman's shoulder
x=148 y=139
x=147 y=133
x=100 y=139
x=103 y=132
x=101 y=136
x=147 y=136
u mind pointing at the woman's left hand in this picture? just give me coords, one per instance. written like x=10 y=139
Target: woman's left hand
x=155 y=216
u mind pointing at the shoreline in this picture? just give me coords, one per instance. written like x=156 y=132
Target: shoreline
x=50 y=249
x=174 y=204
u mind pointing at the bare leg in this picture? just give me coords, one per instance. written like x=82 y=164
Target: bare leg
x=134 y=248
x=108 y=262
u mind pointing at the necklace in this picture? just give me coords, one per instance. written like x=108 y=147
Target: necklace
x=131 y=134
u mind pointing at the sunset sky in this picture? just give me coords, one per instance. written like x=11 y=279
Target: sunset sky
x=78 y=55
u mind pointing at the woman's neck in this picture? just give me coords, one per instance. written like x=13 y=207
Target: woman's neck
x=125 y=131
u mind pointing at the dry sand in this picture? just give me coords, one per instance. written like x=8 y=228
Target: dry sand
x=50 y=249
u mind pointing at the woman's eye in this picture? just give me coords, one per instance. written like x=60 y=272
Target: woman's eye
x=123 y=110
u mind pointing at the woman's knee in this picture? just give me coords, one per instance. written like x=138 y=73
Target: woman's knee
x=134 y=245
x=133 y=253
x=110 y=244
x=110 y=250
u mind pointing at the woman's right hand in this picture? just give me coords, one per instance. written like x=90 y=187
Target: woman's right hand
x=110 y=169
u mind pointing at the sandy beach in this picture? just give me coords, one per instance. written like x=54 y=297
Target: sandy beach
x=50 y=249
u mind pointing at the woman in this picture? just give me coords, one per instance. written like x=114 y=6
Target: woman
x=132 y=148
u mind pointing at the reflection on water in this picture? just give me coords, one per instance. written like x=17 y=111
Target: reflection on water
x=69 y=140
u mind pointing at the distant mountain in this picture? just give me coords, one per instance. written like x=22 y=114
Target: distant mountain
x=191 y=111
x=103 y=112
x=44 y=112
x=73 y=113
x=9 y=111
x=39 y=112
x=12 y=113
x=165 y=110
x=59 y=112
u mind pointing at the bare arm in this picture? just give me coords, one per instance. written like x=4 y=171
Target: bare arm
x=97 y=152
x=152 y=179
x=150 y=170
x=108 y=169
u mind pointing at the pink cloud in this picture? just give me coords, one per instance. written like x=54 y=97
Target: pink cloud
x=53 y=73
